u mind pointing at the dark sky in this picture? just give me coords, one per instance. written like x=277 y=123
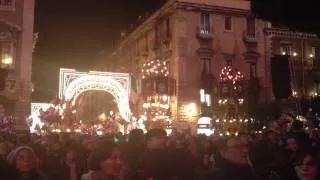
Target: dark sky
x=72 y=32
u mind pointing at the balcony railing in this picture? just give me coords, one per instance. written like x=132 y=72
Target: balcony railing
x=306 y=64
x=7 y=5
x=250 y=37
x=204 y=32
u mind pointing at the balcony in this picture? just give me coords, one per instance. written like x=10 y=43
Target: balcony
x=7 y=5
x=250 y=37
x=305 y=64
x=204 y=32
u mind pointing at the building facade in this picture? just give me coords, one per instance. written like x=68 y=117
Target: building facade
x=199 y=38
x=16 y=47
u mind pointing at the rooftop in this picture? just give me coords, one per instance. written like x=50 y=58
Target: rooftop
x=237 y=4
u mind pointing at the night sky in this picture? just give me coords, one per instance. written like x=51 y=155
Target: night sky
x=72 y=32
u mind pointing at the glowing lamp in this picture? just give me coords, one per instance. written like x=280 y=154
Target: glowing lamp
x=190 y=110
x=7 y=60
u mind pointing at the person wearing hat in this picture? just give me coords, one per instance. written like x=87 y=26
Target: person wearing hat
x=23 y=160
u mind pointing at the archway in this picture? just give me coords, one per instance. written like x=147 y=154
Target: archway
x=94 y=107
x=73 y=83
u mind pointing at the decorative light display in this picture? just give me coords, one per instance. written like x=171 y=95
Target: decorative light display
x=42 y=114
x=157 y=107
x=231 y=97
x=157 y=104
x=154 y=68
x=73 y=83
x=230 y=74
x=7 y=123
x=232 y=126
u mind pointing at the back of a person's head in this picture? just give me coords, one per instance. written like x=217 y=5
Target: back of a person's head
x=156 y=132
x=302 y=153
x=223 y=142
x=71 y=145
x=101 y=152
x=301 y=138
x=38 y=149
x=136 y=136
x=24 y=139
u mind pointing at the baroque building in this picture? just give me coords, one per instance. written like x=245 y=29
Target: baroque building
x=16 y=47
x=198 y=38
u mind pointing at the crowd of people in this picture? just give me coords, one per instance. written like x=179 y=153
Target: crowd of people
x=156 y=156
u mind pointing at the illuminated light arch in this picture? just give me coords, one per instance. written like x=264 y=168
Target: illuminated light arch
x=73 y=83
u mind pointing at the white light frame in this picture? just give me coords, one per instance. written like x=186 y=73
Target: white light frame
x=72 y=83
x=35 y=114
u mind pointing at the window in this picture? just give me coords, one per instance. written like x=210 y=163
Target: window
x=6 y=55
x=313 y=52
x=137 y=50
x=253 y=70
x=146 y=42
x=168 y=33
x=206 y=66
x=251 y=26
x=208 y=100
x=157 y=35
x=7 y=4
x=228 y=23
x=205 y=23
x=285 y=49
x=202 y=96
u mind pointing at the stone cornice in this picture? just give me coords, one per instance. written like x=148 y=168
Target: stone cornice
x=276 y=32
x=148 y=24
x=213 y=9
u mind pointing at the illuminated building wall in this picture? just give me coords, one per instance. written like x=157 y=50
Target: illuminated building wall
x=202 y=37
x=16 y=47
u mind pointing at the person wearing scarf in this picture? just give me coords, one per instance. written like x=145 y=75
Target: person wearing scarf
x=23 y=160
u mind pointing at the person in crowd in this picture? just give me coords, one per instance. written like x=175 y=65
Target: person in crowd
x=306 y=165
x=40 y=154
x=86 y=145
x=159 y=161
x=52 y=165
x=244 y=136
x=104 y=162
x=23 y=160
x=291 y=143
x=234 y=162
x=133 y=150
x=72 y=164
x=23 y=139
x=12 y=142
x=204 y=170
x=6 y=171
x=265 y=155
x=155 y=160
